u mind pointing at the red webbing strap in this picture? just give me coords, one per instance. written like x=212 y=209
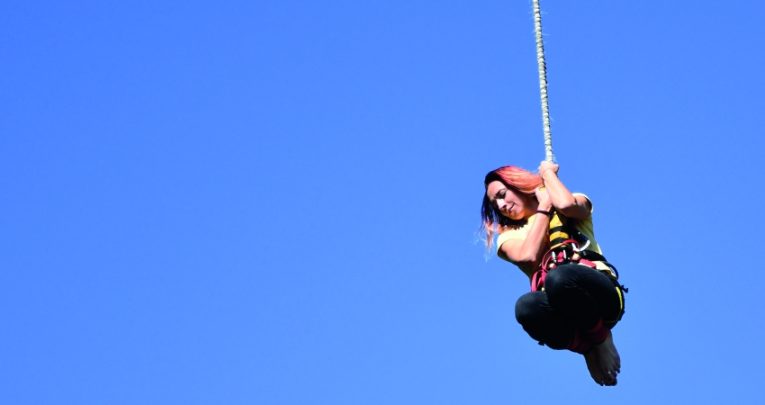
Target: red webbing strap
x=584 y=341
x=554 y=257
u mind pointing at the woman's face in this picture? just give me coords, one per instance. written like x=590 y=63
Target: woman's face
x=507 y=201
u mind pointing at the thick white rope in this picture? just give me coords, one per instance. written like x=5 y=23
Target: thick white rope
x=543 y=82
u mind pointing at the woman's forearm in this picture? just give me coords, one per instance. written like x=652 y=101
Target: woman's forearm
x=536 y=240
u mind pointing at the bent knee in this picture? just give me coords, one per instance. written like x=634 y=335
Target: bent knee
x=529 y=306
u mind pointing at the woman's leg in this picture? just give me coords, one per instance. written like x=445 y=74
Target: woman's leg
x=590 y=301
x=585 y=297
x=542 y=322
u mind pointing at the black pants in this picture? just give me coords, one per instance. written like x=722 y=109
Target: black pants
x=576 y=310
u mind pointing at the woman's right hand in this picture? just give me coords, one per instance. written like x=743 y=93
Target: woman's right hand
x=546 y=166
x=545 y=203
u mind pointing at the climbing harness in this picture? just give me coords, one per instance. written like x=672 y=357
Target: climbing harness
x=569 y=245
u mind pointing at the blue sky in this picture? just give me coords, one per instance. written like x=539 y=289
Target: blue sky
x=278 y=202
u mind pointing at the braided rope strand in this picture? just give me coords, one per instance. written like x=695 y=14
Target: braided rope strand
x=542 y=66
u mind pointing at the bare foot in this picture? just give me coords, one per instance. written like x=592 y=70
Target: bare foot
x=603 y=362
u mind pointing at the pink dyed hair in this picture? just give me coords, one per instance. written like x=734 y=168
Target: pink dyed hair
x=514 y=177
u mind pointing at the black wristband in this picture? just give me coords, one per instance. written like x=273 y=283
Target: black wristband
x=548 y=213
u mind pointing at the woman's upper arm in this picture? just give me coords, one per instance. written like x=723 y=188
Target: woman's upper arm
x=581 y=209
x=510 y=250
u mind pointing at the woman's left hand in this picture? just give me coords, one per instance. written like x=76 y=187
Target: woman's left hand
x=546 y=166
x=543 y=197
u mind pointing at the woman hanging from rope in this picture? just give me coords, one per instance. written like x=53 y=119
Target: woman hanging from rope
x=547 y=232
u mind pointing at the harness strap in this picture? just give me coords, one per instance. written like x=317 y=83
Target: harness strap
x=559 y=255
x=565 y=242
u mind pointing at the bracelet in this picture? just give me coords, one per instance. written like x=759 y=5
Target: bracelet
x=548 y=213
